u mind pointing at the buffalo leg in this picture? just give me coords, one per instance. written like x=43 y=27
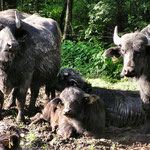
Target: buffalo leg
x=12 y=101
x=49 y=90
x=34 y=94
x=21 y=97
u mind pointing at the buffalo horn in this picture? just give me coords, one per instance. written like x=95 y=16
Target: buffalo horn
x=116 y=38
x=17 y=20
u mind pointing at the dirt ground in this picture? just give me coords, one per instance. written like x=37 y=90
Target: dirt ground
x=40 y=136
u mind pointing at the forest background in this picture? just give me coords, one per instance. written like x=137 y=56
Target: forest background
x=87 y=28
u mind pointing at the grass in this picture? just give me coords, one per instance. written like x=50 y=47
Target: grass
x=122 y=84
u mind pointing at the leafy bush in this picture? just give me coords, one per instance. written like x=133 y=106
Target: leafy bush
x=87 y=58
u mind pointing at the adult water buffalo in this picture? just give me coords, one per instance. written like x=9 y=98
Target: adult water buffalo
x=123 y=108
x=135 y=50
x=30 y=55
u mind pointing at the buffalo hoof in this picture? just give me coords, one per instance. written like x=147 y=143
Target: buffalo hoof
x=20 y=119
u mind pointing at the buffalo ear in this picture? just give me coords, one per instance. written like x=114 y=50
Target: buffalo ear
x=72 y=82
x=111 y=52
x=63 y=75
x=56 y=101
x=90 y=99
x=93 y=98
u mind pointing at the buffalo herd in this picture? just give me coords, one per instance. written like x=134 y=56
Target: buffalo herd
x=30 y=57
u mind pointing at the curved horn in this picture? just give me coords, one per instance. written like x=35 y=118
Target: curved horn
x=17 y=20
x=116 y=38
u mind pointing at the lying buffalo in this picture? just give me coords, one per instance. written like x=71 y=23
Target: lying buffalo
x=123 y=108
x=30 y=55
x=135 y=50
x=74 y=111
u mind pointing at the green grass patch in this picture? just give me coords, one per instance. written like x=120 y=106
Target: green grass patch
x=123 y=84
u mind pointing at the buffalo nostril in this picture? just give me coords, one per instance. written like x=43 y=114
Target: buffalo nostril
x=12 y=45
x=129 y=72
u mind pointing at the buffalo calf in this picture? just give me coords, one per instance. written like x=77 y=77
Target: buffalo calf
x=75 y=111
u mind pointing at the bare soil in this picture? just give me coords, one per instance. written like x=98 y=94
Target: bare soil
x=40 y=136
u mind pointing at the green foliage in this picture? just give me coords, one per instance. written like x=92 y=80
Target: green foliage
x=46 y=8
x=101 y=18
x=87 y=58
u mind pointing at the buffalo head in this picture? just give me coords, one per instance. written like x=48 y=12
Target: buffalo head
x=75 y=101
x=133 y=47
x=10 y=35
x=71 y=77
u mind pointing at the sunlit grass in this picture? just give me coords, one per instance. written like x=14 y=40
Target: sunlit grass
x=122 y=84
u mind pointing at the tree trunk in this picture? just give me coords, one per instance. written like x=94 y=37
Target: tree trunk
x=68 y=20
x=63 y=15
x=37 y=5
x=2 y=5
x=12 y=4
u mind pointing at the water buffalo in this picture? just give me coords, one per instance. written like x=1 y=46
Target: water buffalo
x=123 y=108
x=79 y=112
x=135 y=50
x=30 y=55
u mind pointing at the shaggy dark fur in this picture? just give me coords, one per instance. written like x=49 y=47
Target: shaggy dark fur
x=80 y=112
x=123 y=108
x=29 y=57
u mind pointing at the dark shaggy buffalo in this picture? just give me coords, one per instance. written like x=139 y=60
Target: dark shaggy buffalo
x=123 y=108
x=135 y=50
x=30 y=55
x=79 y=112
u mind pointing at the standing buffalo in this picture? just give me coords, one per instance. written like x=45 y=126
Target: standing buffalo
x=135 y=50
x=30 y=55
x=75 y=111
